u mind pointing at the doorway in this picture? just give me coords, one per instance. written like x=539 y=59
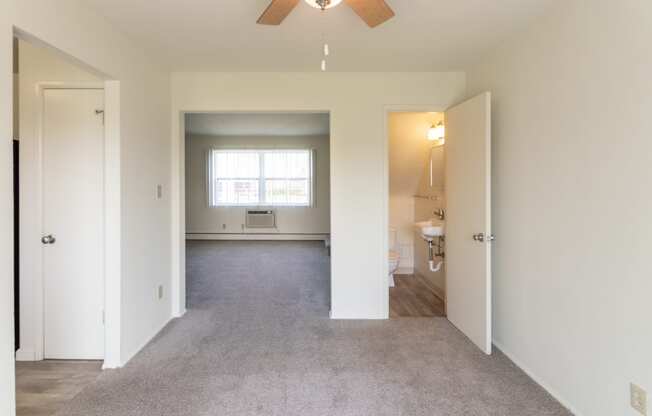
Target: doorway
x=257 y=199
x=60 y=217
x=439 y=216
x=416 y=192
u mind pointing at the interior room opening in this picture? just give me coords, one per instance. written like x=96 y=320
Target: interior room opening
x=59 y=220
x=257 y=212
x=417 y=272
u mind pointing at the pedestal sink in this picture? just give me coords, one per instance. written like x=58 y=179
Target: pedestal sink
x=431 y=229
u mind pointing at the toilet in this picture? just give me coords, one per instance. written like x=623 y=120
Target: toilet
x=394 y=256
x=394 y=260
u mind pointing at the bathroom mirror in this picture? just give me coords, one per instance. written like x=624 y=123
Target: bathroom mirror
x=437 y=161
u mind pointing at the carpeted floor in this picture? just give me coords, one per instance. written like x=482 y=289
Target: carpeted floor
x=256 y=340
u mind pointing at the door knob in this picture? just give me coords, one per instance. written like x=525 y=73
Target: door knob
x=48 y=239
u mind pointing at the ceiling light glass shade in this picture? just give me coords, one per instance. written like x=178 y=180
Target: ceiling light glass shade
x=437 y=132
x=316 y=5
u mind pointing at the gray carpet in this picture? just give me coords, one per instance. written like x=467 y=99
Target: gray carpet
x=257 y=341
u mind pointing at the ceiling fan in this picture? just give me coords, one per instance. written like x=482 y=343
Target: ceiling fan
x=373 y=12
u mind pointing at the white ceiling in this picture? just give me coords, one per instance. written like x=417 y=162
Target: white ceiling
x=222 y=35
x=258 y=124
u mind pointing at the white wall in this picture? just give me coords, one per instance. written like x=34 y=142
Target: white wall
x=7 y=382
x=297 y=221
x=358 y=103
x=144 y=161
x=572 y=202
x=36 y=65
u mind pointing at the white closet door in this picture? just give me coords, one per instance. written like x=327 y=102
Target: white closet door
x=73 y=155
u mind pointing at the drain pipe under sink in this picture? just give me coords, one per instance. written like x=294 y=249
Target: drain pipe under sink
x=434 y=268
x=431 y=255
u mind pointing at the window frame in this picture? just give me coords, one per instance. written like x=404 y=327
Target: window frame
x=261 y=179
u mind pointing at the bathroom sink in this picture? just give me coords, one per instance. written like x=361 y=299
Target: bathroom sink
x=431 y=229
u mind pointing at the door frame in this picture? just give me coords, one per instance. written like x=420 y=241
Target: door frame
x=38 y=294
x=178 y=193
x=384 y=241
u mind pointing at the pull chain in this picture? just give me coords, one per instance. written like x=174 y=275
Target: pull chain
x=326 y=49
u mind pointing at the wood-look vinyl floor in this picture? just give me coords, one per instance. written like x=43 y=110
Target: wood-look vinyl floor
x=43 y=387
x=412 y=298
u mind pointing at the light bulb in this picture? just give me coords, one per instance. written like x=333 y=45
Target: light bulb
x=316 y=5
x=437 y=132
x=323 y=65
x=326 y=50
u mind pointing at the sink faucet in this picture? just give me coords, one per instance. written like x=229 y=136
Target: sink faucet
x=439 y=212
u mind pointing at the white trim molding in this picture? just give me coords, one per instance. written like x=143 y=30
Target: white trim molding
x=536 y=378
x=178 y=197
x=112 y=221
x=258 y=237
x=384 y=241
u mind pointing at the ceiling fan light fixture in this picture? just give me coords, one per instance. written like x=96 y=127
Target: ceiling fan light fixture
x=323 y=4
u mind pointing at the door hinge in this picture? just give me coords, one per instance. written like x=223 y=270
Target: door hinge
x=481 y=237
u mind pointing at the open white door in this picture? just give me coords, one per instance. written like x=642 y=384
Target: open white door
x=468 y=219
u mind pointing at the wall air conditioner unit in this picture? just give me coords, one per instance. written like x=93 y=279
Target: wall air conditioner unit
x=260 y=219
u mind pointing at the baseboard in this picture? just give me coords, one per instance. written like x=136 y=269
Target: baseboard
x=537 y=379
x=110 y=365
x=258 y=237
x=180 y=314
x=128 y=357
x=439 y=292
x=25 y=354
x=405 y=270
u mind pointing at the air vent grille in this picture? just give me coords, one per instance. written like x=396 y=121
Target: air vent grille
x=260 y=219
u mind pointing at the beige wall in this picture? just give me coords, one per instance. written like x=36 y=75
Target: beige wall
x=358 y=104
x=37 y=65
x=572 y=201
x=291 y=221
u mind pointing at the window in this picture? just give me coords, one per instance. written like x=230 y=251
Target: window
x=260 y=177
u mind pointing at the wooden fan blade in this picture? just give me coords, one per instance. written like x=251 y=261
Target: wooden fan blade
x=373 y=12
x=277 y=11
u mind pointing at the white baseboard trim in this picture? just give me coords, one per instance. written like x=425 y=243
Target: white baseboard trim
x=110 y=365
x=25 y=354
x=128 y=358
x=258 y=237
x=439 y=292
x=405 y=270
x=180 y=314
x=554 y=393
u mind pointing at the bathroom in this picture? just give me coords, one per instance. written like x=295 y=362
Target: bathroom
x=417 y=202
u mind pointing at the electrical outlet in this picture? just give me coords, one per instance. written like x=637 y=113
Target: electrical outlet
x=159 y=292
x=638 y=399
